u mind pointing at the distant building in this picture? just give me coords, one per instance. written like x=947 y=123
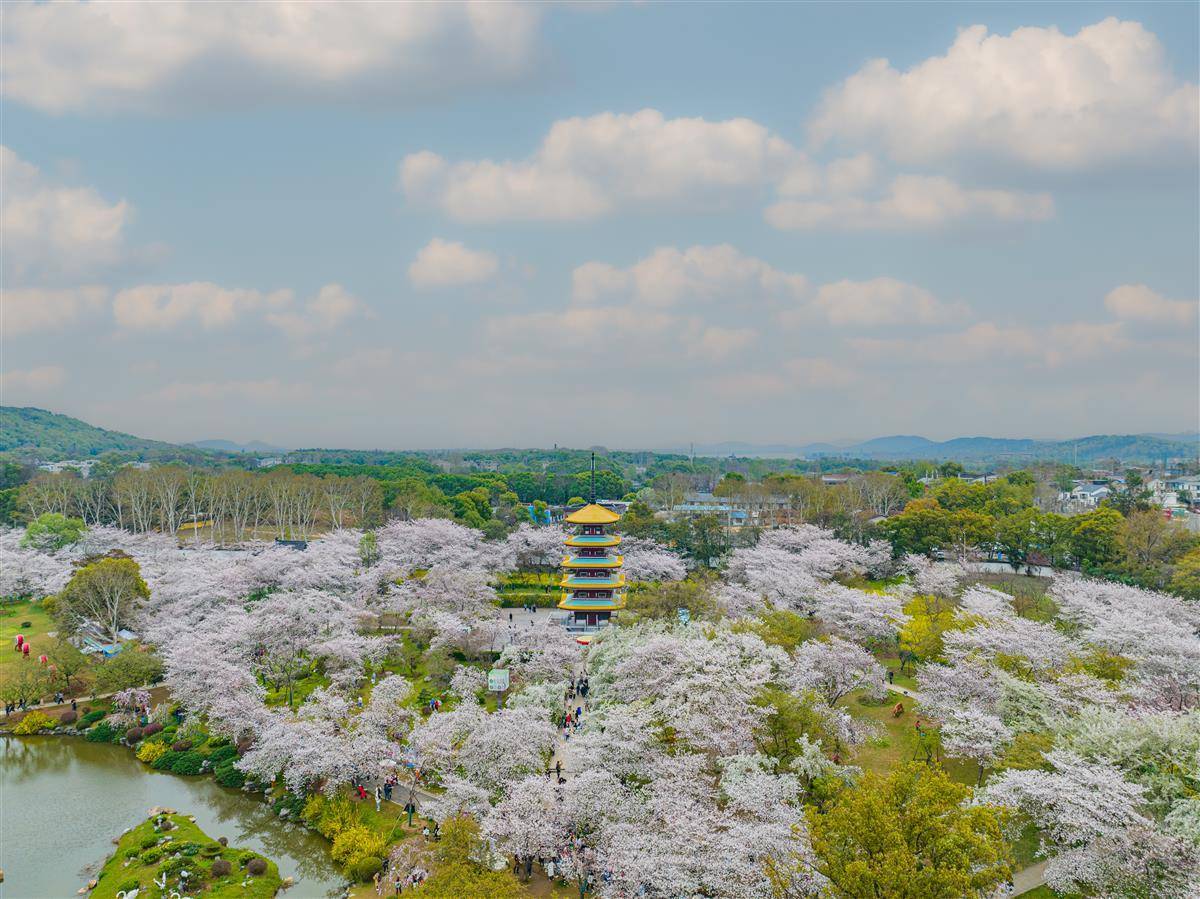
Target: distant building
x=82 y=466
x=1089 y=495
x=269 y=462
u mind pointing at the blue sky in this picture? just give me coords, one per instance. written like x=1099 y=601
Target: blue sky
x=634 y=225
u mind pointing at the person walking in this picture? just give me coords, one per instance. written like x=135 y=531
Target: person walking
x=558 y=767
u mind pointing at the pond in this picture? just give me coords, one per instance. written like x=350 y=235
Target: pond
x=63 y=800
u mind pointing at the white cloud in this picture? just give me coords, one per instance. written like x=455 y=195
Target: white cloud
x=26 y=310
x=86 y=57
x=51 y=229
x=1137 y=302
x=721 y=343
x=162 y=307
x=32 y=380
x=911 y=202
x=444 y=263
x=332 y=305
x=670 y=276
x=589 y=167
x=882 y=301
x=166 y=307
x=1036 y=97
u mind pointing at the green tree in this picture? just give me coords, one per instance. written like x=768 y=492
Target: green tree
x=368 y=549
x=68 y=661
x=1018 y=535
x=921 y=528
x=702 y=538
x=661 y=601
x=106 y=592
x=1095 y=537
x=788 y=722
x=1186 y=578
x=133 y=666
x=51 y=531
x=781 y=627
x=910 y=835
x=967 y=530
x=463 y=866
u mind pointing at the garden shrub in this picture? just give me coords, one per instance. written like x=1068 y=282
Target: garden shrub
x=128 y=886
x=212 y=850
x=243 y=746
x=219 y=742
x=188 y=763
x=103 y=733
x=189 y=848
x=165 y=761
x=173 y=866
x=151 y=729
x=68 y=717
x=150 y=856
x=257 y=866
x=357 y=842
x=33 y=723
x=366 y=868
x=150 y=752
x=133 y=735
x=222 y=754
x=182 y=746
x=244 y=858
x=92 y=717
x=229 y=776
x=132 y=853
x=148 y=842
x=221 y=868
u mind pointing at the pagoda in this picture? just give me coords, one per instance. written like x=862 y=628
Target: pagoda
x=593 y=583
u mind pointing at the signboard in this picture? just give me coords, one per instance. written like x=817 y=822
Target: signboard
x=684 y=615
x=498 y=680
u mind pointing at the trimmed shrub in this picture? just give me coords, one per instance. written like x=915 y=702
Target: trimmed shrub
x=182 y=746
x=151 y=729
x=34 y=722
x=151 y=751
x=244 y=858
x=149 y=842
x=166 y=761
x=212 y=850
x=224 y=841
x=188 y=763
x=132 y=853
x=133 y=735
x=366 y=868
x=229 y=776
x=189 y=848
x=173 y=866
x=68 y=717
x=150 y=856
x=222 y=754
x=128 y=886
x=92 y=717
x=221 y=868
x=257 y=866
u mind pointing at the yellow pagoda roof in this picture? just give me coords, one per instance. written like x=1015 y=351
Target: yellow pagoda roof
x=593 y=514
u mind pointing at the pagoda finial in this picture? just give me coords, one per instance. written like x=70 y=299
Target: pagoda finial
x=593 y=477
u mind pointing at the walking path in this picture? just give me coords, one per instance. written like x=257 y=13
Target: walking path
x=904 y=691
x=1030 y=878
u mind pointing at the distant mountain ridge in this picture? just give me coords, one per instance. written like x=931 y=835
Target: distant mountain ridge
x=1126 y=447
x=33 y=433
x=230 y=446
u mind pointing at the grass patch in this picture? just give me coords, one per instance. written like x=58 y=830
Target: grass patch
x=895 y=740
x=12 y=616
x=892 y=663
x=145 y=853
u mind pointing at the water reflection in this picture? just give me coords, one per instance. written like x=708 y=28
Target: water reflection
x=62 y=800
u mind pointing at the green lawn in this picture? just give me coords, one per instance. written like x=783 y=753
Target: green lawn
x=13 y=615
x=145 y=853
x=896 y=740
x=892 y=663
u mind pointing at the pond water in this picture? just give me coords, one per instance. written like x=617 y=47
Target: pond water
x=62 y=800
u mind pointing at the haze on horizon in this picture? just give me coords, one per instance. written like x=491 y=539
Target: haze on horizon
x=420 y=226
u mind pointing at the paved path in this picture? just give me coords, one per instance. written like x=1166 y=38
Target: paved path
x=904 y=691
x=1029 y=878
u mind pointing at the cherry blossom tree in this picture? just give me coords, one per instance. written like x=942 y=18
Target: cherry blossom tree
x=975 y=735
x=646 y=560
x=534 y=548
x=544 y=652
x=833 y=667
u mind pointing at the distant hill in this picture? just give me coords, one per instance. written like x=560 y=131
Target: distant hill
x=229 y=446
x=1098 y=448
x=33 y=433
